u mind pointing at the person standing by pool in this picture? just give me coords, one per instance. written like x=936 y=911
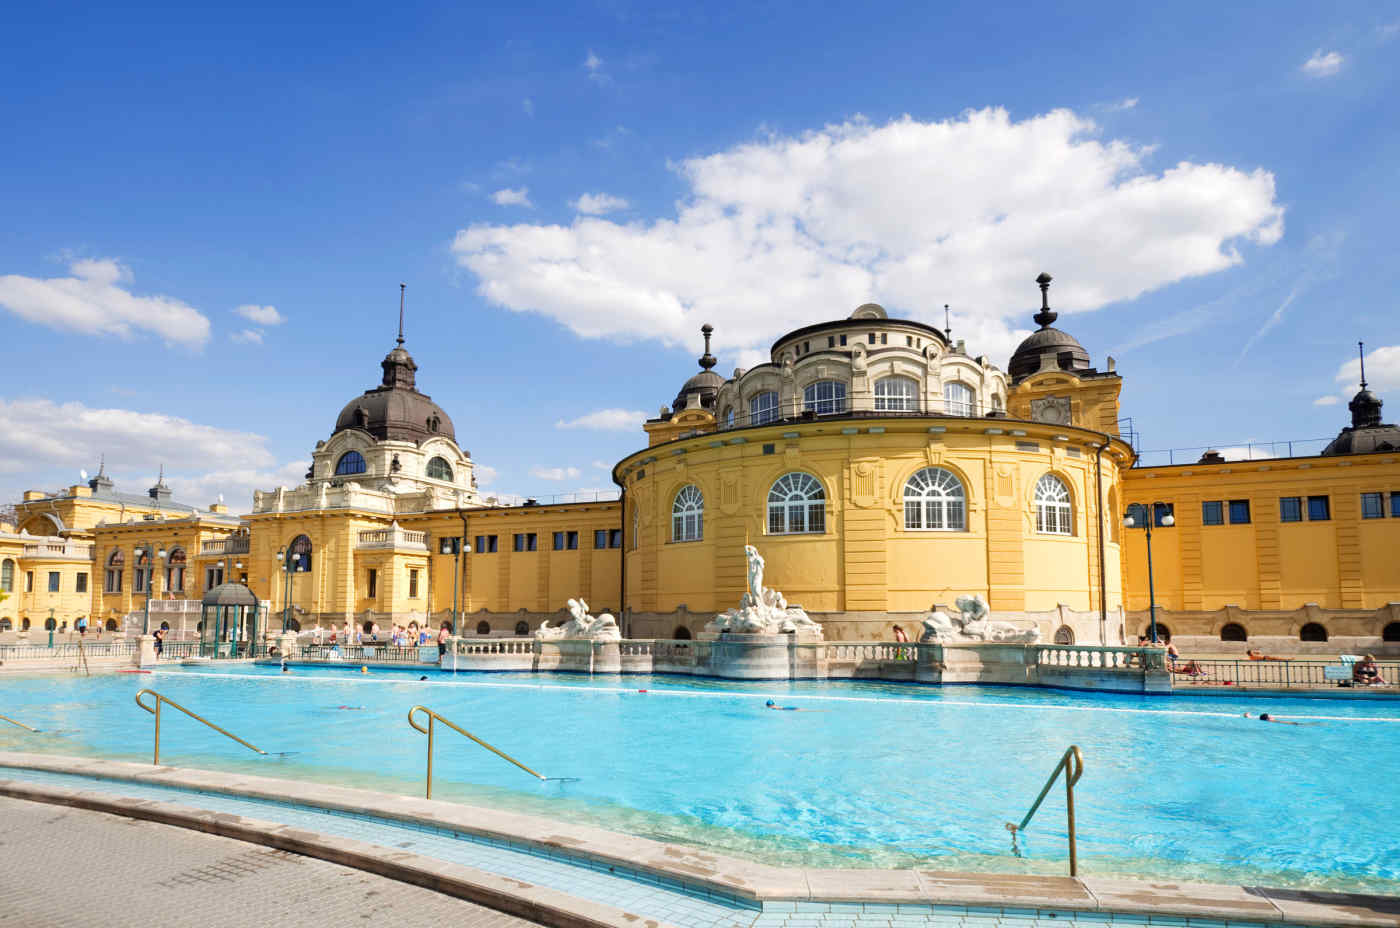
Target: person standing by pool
x=1366 y=672
x=901 y=637
x=442 y=642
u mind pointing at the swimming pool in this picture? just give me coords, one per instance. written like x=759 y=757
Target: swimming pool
x=867 y=774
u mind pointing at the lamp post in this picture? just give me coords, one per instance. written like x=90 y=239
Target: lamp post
x=151 y=554
x=456 y=547
x=291 y=565
x=1168 y=521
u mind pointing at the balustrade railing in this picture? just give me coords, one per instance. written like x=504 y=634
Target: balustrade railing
x=70 y=550
x=479 y=646
x=20 y=652
x=865 y=651
x=235 y=544
x=393 y=538
x=1099 y=657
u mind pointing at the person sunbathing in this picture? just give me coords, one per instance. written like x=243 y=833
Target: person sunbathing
x=1366 y=673
x=1190 y=668
x=1255 y=654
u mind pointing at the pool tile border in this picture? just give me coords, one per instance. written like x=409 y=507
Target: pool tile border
x=894 y=893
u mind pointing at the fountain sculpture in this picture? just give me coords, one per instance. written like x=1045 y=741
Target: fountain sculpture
x=582 y=625
x=972 y=625
x=763 y=611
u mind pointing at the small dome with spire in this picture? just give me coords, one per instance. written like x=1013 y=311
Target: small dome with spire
x=1367 y=432
x=1069 y=354
x=706 y=383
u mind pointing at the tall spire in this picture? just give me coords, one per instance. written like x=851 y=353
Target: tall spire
x=1046 y=314
x=402 y=287
x=707 y=360
x=1361 y=350
x=947 y=324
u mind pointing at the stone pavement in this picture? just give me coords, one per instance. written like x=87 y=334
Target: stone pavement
x=73 y=867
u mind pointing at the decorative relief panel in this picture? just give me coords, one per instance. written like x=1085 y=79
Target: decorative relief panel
x=1053 y=410
x=1005 y=485
x=865 y=483
x=729 y=495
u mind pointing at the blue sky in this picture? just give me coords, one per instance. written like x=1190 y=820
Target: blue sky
x=570 y=191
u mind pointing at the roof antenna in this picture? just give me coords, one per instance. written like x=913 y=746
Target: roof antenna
x=1361 y=350
x=947 y=325
x=401 y=289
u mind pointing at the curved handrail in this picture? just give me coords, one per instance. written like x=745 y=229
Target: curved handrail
x=198 y=718
x=1072 y=764
x=434 y=717
x=6 y=718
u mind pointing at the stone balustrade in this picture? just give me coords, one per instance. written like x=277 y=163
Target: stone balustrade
x=66 y=550
x=394 y=537
x=224 y=547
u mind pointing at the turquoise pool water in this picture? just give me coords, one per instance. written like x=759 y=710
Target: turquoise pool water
x=865 y=775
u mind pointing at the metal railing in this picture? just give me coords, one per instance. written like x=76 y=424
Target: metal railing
x=1286 y=674
x=6 y=718
x=198 y=718
x=434 y=717
x=19 y=652
x=413 y=654
x=1072 y=765
x=1248 y=450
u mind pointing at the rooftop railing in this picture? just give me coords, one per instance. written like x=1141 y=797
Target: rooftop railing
x=59 y=549
x=864 y=407
x=394 y=537
x=1234 y=451
x=237 y=544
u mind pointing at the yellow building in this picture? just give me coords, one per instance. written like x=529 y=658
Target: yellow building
x=880 y=467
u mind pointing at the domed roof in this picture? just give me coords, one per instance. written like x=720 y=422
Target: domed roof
x=1367 y=432
x=1069 y=354
x=706 y=383
x=395 y=410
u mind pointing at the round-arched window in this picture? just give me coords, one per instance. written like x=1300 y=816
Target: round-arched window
x=796 y=505
x=729 y=418
x=1233 y=631
x=688 y=514
x=934 y=500
x=111 y=625
x=1391 y=632
x=1313 y=631
x=522 y=629
x=439 y=469
x=1163 y=633
x=1053 y=514
x=763 y=408
x=483 y=628
x=957 y=399
x=896 y=394
x=680 y=634
x=1064 y=635
x=7 y=576
x=50 y=625
x=351 y=462
x=5 y=625
x=24 y=625
x=825 y=397
x=300 y=553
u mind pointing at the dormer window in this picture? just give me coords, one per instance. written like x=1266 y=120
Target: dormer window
x=439 y=469
x=351 y=462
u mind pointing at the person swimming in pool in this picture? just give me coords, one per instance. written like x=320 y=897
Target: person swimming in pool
x=1266 y=717
x=770 y=704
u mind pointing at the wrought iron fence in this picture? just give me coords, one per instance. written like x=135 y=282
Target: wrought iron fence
x=862 y=408
x=19 y=652
x=1280 y=674
x=415 y=654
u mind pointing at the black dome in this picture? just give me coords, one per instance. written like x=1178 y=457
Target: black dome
x=1367 y=432
x=1069 y=354
x=395 y=410
x=706 y=383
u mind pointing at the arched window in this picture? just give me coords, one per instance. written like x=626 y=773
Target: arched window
x=24 y=625
x=351 y=462
x=439 y=469
x=111 y=625
x=300 y=552
x=7 y=576
x=1053 y=514
x=680 y=634
x=688 y=514
x=1391 y=632
x=115 y=561
x=293 y=625
x=1233 y=631
x=50 y=625
x=796 y=505
x=896 y=394
x=1163 y=633
x=522 y=629
x=5 y=625
x=763 y=408
x=1064 y=635
x=483 y=628
x=175 y=570
x=957 y=399
x=729 y=418
x=1312 y=632
x=934 y=500
x=825 y=397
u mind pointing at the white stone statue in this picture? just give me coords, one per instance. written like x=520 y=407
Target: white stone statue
x=972 y=625
x=581 y=625
x=763 y=611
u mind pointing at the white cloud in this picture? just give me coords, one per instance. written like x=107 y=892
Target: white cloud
x=248 y=336
x=528 y=106
x=595 y=204
x=93 y=302
x=1247 y=452
x=262 y=315
x=608 y=420
x=783 y=231
x=512 y=196
x=594 y=66
x=1127 y=103
x=1323 y=64
x=1326 y=401
x=554 y=473
x=47 y=438
x=485 y=474
x=602 y=465
x=1382 y=372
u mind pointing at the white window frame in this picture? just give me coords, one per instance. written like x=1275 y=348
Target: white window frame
x=824 y=397
x=796 y=505
x=428 y=470
x=935 y=500
x=897 y=393
x=688 y=514
x=958 y=398
x=763 y=407
x=1054 y=507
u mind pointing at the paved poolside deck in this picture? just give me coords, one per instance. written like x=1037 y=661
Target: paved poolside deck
x=677 y=885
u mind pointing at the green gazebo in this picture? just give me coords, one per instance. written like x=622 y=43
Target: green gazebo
x=229 y=622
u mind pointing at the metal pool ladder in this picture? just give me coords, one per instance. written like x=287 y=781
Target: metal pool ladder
x=1072 y=765
x=6 y=718
x=198 y=718
x=434 y=717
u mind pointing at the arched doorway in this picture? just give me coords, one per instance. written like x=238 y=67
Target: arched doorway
x=681 y=633
x=1391 y=632
x=1313 y=631
x=1233 y=631
x=522 y=629
x=1064 y=635
x=483 y=627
